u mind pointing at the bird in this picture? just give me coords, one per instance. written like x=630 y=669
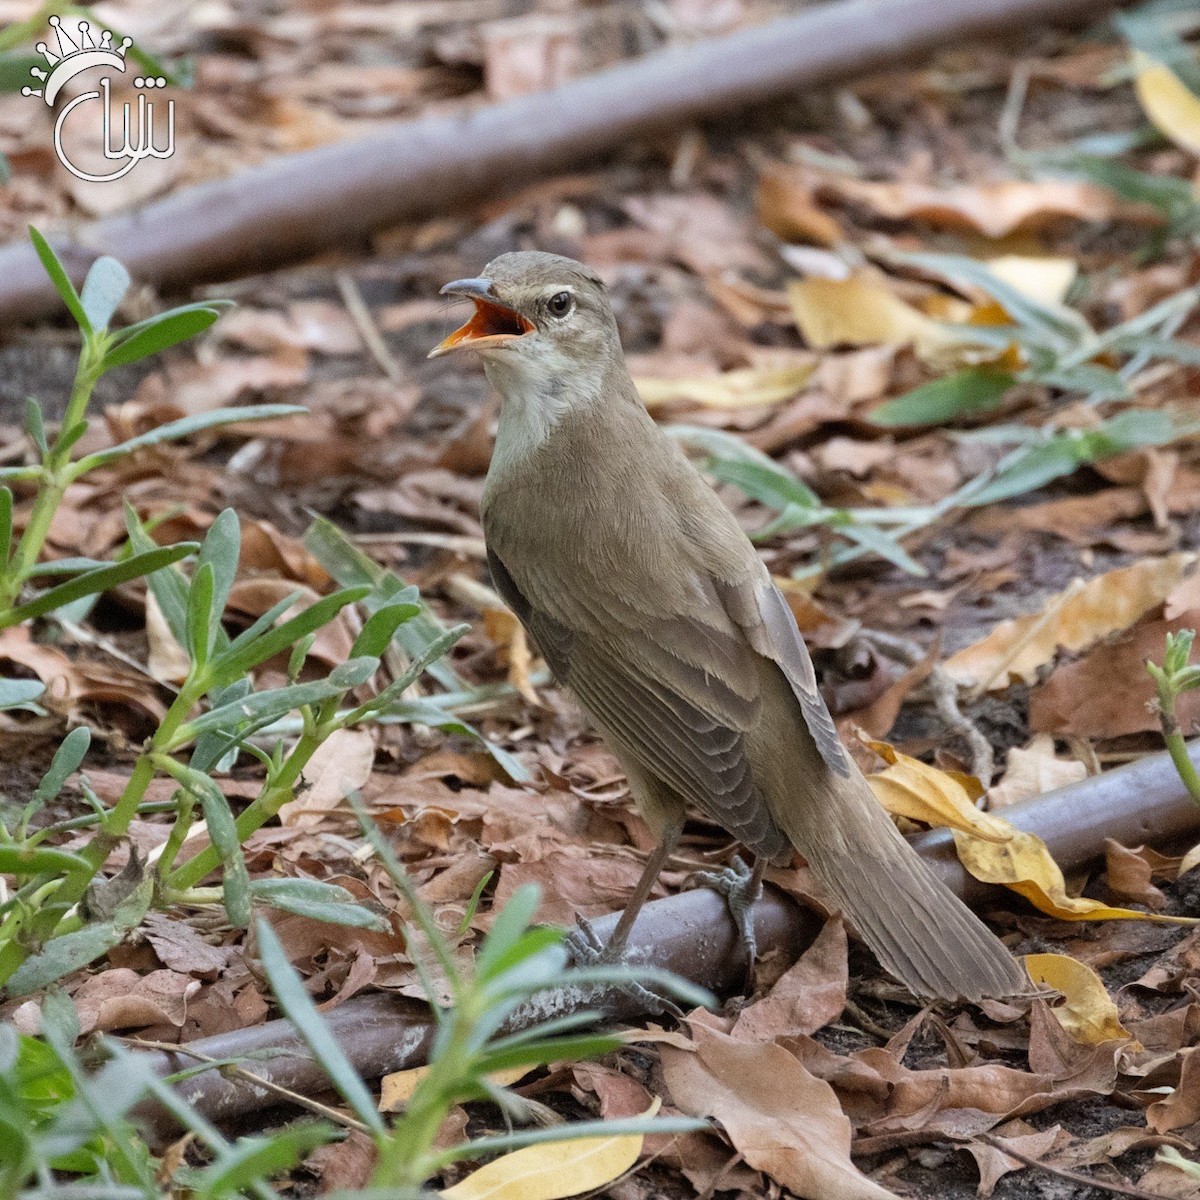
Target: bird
x=649 y=603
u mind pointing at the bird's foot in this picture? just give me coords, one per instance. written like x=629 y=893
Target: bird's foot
x=585 y=949
x=742 y=889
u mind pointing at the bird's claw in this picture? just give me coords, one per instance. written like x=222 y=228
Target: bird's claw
x=742 y=889
x=585 y=949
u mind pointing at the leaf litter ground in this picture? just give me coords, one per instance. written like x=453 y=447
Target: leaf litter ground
x=688 y=236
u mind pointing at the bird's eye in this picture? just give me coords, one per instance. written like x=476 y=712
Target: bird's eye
x=560 y=304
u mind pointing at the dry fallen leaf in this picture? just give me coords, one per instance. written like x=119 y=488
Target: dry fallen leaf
x=396 y=1089
x=860 y=311
x=1033 y=770
x=1173 y=108
x=747 y=387
x=1073 y=620
x=553 y=1169
x=910 y=788
x=781 y=1118
x=1087 y=1013
x=988 y=846
x=341 y=765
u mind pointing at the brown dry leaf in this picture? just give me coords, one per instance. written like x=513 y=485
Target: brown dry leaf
x=341 y=765
x=785 y=204
x=123 y=999
x=781 y=1118
x=167 y=660
x=861 y=311
x=1032 y=771
x=1087 y=1013
x=574 y=881
x=71 y=683
x=992 y=209
x=994 y=1164
x=508 y=633
x=746 y=387
x=1182 y=1107
x=1129 y=872
x=1173 y=108
x=1079 y=698
x=806 y=997
x=1074 y=619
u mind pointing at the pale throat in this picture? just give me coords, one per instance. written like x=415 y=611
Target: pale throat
x=532 y=402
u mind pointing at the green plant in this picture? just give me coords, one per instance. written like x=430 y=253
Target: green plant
x=55 y=470
x=58 y=1119
x=1171 y=680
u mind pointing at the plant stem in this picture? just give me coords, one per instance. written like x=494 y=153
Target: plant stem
x=56 y=477
x=259 y=811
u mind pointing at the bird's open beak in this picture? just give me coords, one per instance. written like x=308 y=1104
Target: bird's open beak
x=491 y=324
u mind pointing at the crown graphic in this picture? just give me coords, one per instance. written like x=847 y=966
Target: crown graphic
x=75 y=54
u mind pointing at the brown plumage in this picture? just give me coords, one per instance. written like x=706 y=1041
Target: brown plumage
x=649 y=602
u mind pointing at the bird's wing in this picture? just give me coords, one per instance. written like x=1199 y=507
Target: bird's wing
x=649 y=683
x=760 y=610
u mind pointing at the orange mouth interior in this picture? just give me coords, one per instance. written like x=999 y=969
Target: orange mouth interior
x=488 y=321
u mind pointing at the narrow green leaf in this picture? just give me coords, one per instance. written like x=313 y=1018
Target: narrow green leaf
x=16 y=693
x=35 y=426
x=876 y=540
x=235 y=879
x=103 y=289
x=6 y=512
x=538 y=1053
x=62 y=955
x=251 y=1161
x=379 y=627
x=100 y=580
x=200 y=614
x=161 y=335
x=270 y=705
x=298 y=1006
x=237 y=662
x=221 y=548
x=169 y=587
x=352 y=568
x=507 y=927
x=58 y=277
x=186 y=426
x=17 y=860
x=339 y=913
x=967 y=393
x=66 y=761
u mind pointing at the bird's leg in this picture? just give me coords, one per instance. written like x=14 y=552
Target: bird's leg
x=583 y=943
x=742 y=888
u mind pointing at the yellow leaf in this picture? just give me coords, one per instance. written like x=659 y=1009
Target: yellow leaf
x=1173 y=108
x=992 y=849
x=1088 y=1013
x=1023 y=863
x=860 y=311
x=1190 y=860
x=748 y=387
x=1046 y=280
x=553 y=1169
x=909 y=788
x=396 y=1089
x=1074 y=619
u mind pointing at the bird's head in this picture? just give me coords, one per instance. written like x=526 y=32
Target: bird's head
x=538 y=317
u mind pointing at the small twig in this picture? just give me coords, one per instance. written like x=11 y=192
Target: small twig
x=867 y=1022
x=360 y=314
x=943 y=691
x=322 y=1110
x=1120 y=1189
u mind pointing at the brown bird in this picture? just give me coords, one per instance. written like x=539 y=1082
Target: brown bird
x=650 y=604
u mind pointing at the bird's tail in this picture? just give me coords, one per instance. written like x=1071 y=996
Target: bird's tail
x=920 y=931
